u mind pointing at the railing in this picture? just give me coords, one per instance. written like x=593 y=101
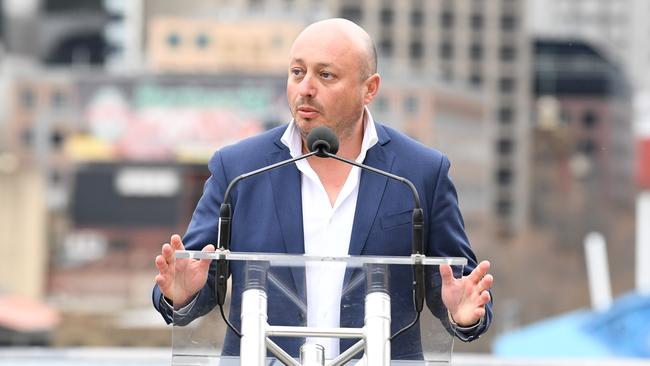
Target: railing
x=162 y=356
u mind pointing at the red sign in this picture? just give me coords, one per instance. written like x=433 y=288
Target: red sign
x=643 y=163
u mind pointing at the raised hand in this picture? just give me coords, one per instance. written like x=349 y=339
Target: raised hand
x=182 y=281
x=465 y=297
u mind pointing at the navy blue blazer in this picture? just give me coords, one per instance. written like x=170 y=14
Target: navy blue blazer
x=267 y=217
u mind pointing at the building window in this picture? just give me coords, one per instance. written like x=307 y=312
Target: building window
x=587 y=147
x=476 y=52
x=27 y=137
x=202 y=41
x=506 y=115
x=447 y=19
x=417 y=18
x=58 y=99
x=381 y=104
x=504 y=207
x=415 y=50
x=505 y=146
x=476 y=79
x=590 y=119
x=27 y=99
x=386 y=47
x=351 y=12
x=56 y=139
x=507 y=85
x=476 y=22
x=504 y=176
x=173 y=40
x=446 y=50
x=411 y=105
x=387 y=16
x=508 y=23
x=508 y=53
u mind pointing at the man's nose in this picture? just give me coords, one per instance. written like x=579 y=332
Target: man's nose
x=306 y=87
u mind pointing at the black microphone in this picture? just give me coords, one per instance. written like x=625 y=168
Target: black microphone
x=324 y=143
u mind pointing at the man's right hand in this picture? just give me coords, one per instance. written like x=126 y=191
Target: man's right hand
x=179 y=283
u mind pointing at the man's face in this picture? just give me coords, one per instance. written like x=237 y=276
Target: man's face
x=325 y=85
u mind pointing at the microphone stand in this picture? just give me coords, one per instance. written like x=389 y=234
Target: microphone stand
x=225 y=224
x=417 y=249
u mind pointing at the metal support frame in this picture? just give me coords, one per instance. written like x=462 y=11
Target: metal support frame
x=375 y=335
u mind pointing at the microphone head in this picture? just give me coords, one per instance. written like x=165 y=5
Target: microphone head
x=323 y=140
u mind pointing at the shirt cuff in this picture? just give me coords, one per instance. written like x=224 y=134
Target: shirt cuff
x=182 y=311
x=465 y=333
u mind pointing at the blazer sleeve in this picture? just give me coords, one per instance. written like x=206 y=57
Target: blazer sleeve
x=447 y=238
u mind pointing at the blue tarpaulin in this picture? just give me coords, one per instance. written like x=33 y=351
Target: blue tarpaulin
x=621 y=331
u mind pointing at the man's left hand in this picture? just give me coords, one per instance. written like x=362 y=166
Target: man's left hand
x=465 y=298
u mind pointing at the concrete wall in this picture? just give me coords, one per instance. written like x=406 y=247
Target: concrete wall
x=23 y=248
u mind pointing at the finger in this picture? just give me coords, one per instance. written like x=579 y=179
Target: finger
x=484 y=298
x=480 y=271
x=162 y=282
x=168 y=253
x=446 y=274
x=205 y=264
x=480 y=312
x=177 y=243
x=486 y=283
x=161 y=264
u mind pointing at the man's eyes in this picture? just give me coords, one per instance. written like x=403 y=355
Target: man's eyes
x=326 y=75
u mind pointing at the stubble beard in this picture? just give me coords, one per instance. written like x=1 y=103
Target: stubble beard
x=344 y=129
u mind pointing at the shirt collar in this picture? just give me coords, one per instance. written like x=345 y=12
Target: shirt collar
x=292 y=139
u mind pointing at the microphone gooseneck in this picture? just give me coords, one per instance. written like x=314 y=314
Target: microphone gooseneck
x=322 y=142
x=325 y=144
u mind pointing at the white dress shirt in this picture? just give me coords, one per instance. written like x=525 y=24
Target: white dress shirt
x=327 y=230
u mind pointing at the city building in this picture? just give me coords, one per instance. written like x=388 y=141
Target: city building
x=203 y=45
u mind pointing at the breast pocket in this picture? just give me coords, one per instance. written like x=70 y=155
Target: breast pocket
x=397 y=219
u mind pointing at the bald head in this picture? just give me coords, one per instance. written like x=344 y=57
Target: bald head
x=342 y=30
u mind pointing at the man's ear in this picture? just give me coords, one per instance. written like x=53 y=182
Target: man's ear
x=371 y=87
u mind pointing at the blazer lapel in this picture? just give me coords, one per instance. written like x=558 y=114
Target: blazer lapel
x=285 y=184
x=371 y=191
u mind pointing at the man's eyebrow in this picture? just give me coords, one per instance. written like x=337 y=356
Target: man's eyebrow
x=302 y=62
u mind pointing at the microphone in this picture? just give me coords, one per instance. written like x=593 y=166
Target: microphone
x=324 y=142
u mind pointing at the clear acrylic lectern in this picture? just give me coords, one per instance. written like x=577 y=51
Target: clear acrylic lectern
x=310 y=310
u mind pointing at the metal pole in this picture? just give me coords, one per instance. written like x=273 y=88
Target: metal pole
x=253 y=327
x=312 y=354
x=377 y=328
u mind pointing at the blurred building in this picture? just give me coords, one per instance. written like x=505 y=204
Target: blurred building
x=75 y=32
x=441 y=115
x=193 y=45
x=618 y=27
x=582 y=153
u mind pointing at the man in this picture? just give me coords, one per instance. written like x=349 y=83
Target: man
x=325 y=207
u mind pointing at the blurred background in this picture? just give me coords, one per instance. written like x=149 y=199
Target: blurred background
x=110 y=110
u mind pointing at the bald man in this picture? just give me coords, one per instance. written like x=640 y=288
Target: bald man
x=325 y=207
